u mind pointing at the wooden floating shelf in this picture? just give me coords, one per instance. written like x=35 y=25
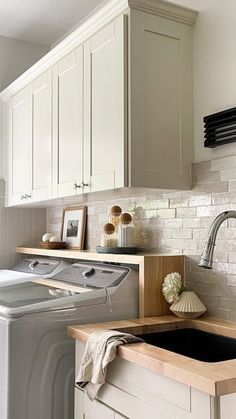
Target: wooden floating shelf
x=152 y=270
x=85 y=255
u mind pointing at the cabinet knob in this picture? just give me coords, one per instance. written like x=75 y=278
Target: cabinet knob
x=28 y=196
x=84 y=184
x=77 y=186
x=22 y=197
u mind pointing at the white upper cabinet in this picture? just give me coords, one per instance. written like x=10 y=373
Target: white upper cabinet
x=41 y=91
x=161 y=109
x=109 y=107
x=30 y=142
x=105 y=108
x=68 y=124
x=19 y=148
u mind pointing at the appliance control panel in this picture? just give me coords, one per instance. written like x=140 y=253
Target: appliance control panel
x=37 y=266
x=93 y=275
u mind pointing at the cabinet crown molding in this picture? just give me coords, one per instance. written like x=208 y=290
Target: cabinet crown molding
x=94 y=23
x=166 y=10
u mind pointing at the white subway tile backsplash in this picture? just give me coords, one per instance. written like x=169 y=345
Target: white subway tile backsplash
x=210 y=177
x=192 y=222
x=102 y=218
x=150 y=214
x=167 y=233
x=166 y=213
x=200 y=233
x=178 y=202
x=160 y=203
x=213 y=210
x=186 y=212
x=229 y=174
x=173 y=243
x=211 y=187
x=232 y=185
x=223 y=163
x=173 y=223
x=203 y=167
x=232 y=258
x=196 y=201
x=227 y=303
x=228 y=268
x=191 y=252
x=190 y=244
x=181 y=233
x=219 y=313
x=178 y=222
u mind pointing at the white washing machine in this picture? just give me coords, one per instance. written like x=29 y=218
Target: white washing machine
x=36 y=355
x=31 y=268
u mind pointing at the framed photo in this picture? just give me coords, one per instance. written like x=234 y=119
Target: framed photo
x=73 y=227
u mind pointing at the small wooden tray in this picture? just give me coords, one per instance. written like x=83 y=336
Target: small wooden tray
x=53 y=245
x=118 y=250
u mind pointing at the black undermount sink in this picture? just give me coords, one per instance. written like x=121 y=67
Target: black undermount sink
x=196 y=344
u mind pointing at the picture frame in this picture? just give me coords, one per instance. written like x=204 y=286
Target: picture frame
x=73 y=227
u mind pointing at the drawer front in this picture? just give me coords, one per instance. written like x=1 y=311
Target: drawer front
x=87 y=409
x=148 y=385
x=136 y=408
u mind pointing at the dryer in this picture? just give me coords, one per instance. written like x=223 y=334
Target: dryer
x=36 y=355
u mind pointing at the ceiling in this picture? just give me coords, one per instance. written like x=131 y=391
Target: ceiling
x=42 y=21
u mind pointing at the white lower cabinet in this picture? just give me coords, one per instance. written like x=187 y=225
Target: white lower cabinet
x=134 y=392
x=87 y=409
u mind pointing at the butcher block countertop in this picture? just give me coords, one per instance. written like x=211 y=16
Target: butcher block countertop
x=216 y=379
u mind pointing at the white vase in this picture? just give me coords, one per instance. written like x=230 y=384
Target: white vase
x=189 y=306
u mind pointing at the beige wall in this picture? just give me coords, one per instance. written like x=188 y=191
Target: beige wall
x=214 y=67
x=16 y=56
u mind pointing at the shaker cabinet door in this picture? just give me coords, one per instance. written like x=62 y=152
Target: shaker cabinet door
x=105 y=108
x=41 y=90
x=68 y=124
x=87 y=409
x=19 y=148
x=161 y=111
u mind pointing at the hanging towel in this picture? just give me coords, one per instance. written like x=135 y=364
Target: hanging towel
x=100 y=350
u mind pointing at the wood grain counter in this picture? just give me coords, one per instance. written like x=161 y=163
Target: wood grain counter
x=216 y=379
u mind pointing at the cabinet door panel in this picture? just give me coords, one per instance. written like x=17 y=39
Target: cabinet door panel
x=87 y=409
x=96 y=410
x=19 y=147
x=68 y=123
x=104 y=108
x=42 y=136
x=79 y=404
x=161 y=102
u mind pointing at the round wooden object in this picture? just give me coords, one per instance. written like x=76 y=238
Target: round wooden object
x=125 y=218
x=116 y=210
x=109 y=228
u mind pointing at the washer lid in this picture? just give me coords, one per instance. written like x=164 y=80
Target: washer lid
x=6 y=275
x=29 y=297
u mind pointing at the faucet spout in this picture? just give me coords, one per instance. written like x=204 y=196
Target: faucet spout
x=206 y=260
